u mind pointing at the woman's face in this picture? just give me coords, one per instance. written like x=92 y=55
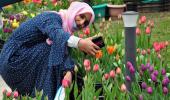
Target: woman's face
x=82 y=20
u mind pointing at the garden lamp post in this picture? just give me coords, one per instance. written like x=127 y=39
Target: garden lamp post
x=130 y=20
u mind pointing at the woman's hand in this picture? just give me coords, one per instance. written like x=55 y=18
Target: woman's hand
x=88 y=46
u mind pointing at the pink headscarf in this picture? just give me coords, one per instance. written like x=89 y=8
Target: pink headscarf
x=68 y=16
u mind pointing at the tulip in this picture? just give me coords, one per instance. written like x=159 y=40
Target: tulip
x=165 y=90
x=95 y=67
x=65 y=83
x=148 y=51
x=129 y=64
x=132 y=70
x=112 y=74
x=143 y=19
x=106 y=76
x=155 y=72
x=4 y=90
x=148 y=30
x=128 y=78
x=163 y=71
x=153 y=78
x=15 y=24
x=140 y=97
x=86 y=63
x=151 y=69
x=148 y=65
x=99 y=54
x=138 y=31
x=110 y=49
x=37 y=1
x=123 y=88
x=149 y=90
x=165 y=81
x=86 y=31
x=8 y=93
x=166 y=43
x=138 y=50
x=75 y=68
x=143 y=52
x=143 y=68
x=144 y=85
x=118 y=70
x=16 y=94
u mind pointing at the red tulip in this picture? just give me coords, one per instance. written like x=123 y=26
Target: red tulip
x=37 y=1
x=86 y=31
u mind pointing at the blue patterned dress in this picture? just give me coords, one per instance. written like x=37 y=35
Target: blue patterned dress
x=28 y=62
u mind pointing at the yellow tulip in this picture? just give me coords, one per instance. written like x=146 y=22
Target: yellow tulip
x=24 y=12
x=32 y=15
x=15 y=24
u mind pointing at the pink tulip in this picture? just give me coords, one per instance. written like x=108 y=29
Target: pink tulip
x=95 y=67
x=86 y=63
x=112 y=73
x=165 y=90
x=138 y=31
x=123 y=88
x=118 y=70
x=163 y=71
x=148 y=30
x=16 y=94
x=149 y=90
x=148 y=51
x=4 y=90
x=128 y=78
x=8 y=93
x=129 y=64
x=132 y=70
x=143 y=19
x=143 y=52
x=106 y=76
x=65 y=83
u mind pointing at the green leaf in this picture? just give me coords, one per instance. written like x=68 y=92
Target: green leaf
x=75 y=90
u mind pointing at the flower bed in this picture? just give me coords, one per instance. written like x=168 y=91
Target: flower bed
x=107 y=68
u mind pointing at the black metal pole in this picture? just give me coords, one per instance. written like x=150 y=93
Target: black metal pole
x=130 y=52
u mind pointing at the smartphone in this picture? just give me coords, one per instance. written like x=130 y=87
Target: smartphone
x=98 y=41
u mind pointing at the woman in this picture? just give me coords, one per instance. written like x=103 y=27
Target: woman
x=36 y=56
